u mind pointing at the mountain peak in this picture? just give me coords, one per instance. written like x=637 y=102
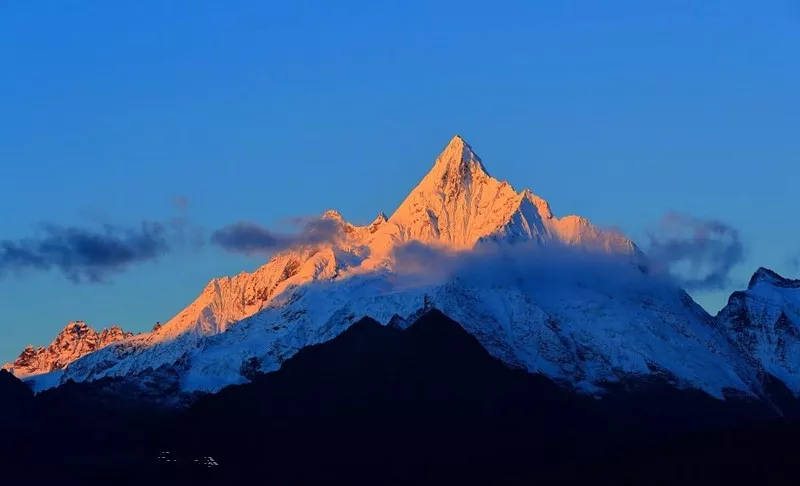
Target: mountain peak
x=767 y=276
x=541 y=205
x=458 y=204
x=74 y=327
x=458 y=158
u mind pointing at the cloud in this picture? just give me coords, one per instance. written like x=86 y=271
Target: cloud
x=693 y=253
x=93 y=254
x=710 y=249
x=85 y=255
x=519 y=265
x=250 y=238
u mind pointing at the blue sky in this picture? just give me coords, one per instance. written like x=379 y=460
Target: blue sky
x=618 y=111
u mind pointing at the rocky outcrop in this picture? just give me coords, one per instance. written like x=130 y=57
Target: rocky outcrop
x=76 y=340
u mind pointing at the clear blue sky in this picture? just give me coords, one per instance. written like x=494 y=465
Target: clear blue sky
x=617 y=110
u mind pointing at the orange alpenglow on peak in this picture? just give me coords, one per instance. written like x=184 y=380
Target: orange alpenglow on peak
x=456 y=205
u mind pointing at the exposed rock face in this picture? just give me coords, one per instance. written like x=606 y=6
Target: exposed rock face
x=76 y=340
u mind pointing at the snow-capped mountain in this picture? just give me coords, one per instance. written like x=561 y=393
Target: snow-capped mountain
x=550 y=295
x=77 y=339
x=764 y=322
x=456 y=205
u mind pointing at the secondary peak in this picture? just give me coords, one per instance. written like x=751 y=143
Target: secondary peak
x=767 y=276
x=75 y=326
x=333 y=214
x=380 y=219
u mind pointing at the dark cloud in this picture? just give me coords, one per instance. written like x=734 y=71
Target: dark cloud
x=251 y=238
x=84 y=255
x=709 y=248
x=94 y=254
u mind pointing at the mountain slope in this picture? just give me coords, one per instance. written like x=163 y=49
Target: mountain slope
x=584 y=332
x=75 y=341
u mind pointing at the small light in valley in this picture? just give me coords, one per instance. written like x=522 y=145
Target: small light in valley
x=210 y=462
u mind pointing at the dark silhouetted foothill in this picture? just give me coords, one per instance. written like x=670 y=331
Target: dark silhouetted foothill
x=385 y=405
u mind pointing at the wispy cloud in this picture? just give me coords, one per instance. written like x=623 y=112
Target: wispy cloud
x=250 y=238
x=86 y=255
x=710 y=249
x=95 y=253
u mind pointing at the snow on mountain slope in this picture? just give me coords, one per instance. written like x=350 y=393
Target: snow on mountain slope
x=582 y=330
x=764 y=322
x=583 y=334
x=495 y=260
x=76 y=340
